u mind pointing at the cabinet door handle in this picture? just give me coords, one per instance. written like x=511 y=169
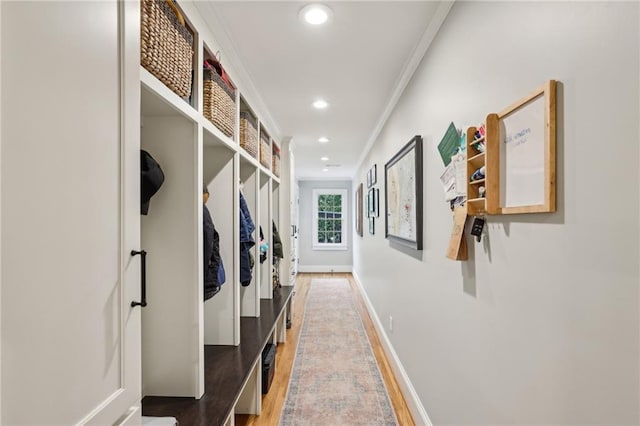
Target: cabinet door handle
x=143 y=278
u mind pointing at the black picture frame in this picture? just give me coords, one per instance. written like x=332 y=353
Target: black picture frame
x=372 y=226
x=371 y=202
x=358 y=209
x=372 y=176
x=376 y=202
x=403 y=195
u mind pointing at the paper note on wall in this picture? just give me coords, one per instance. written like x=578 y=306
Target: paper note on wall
x=449 y=144
x=448 y=179
x=460 y=178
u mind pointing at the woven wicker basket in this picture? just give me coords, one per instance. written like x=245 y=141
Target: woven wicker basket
x=265 y=151
x=166 y=46
x=219 y=102
x=276 y=160
x=249 y=134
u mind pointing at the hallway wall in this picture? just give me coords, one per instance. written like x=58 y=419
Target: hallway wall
x=311 y=260
x=541 y=325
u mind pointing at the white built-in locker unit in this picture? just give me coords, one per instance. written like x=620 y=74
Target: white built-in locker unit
x=73 y=123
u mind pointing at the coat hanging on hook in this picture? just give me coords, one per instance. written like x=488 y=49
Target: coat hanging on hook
x=246 y=242
x=151 y=179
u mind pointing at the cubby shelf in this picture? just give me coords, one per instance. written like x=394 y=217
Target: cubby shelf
x=486 y=158
x=214 y=137
x=477 y=157
x=157 y=100
x=477 y=141
x=475 y=160
x=213 y=372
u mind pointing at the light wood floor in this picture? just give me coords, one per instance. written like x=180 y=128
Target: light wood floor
x=273 y=402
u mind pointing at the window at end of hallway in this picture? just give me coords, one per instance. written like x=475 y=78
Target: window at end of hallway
x=330 y=219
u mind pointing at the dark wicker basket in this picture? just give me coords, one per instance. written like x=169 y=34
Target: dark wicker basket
x=219 y=102
x=166 y=46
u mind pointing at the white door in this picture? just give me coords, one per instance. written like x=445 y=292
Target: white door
x=294 y=220
x=70 y=213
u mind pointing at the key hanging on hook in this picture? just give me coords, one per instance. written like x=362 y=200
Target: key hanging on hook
x=477 y=227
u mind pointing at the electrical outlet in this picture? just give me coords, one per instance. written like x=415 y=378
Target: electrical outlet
x=390 y=323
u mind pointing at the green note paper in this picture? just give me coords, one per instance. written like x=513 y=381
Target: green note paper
x=449 y=144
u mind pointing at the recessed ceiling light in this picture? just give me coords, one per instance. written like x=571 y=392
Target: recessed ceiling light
x=315 y=14
x=324 y=158
x=320 y=104
x=325 y=170
x=323 y=140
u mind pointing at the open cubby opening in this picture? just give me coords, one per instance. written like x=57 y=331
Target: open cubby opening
x=221 y=311
x=265 y=221
x=250 y=294
x=171 y=235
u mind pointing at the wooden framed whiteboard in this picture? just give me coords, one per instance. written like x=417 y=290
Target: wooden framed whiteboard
x=525 y=154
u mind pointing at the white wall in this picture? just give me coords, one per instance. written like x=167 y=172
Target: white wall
x=322 y=260
x=540 y=326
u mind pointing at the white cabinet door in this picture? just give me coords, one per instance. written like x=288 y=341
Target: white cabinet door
x=70 y=213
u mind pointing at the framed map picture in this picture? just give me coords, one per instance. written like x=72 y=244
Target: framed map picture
x=403 y=195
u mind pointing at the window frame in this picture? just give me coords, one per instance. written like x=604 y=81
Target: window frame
x=343 y=245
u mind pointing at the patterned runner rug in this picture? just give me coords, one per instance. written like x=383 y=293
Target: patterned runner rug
x=335 y=378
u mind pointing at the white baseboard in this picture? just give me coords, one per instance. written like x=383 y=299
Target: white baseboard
x=324 y=268
x=415 y=405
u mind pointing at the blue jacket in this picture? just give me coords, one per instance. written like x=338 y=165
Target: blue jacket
x=212 y=261
x=246 y=242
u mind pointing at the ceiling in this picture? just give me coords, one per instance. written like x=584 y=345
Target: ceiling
x=359 y=63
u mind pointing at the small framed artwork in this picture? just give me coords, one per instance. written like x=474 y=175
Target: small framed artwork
x=359 y=206
x=376 y=202
x=372 y=227
x=372 y=176
x=371 y=202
